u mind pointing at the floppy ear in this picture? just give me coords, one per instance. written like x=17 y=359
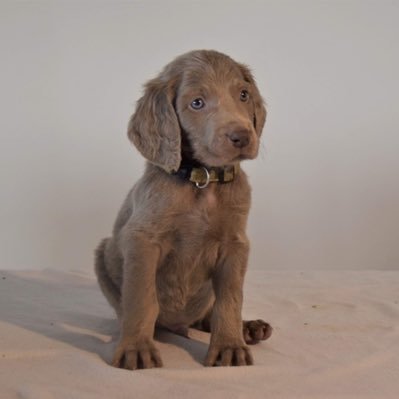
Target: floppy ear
x=259 y=104
x=154 y=128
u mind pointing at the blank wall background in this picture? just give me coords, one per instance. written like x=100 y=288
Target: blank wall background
x=326 y=185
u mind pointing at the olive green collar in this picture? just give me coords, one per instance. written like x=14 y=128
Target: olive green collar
x=201 y=176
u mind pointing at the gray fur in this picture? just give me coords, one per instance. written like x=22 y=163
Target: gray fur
x=178 y=254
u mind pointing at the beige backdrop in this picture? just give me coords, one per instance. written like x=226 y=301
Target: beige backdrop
x=326 y=185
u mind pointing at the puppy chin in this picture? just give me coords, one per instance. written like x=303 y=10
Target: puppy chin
x=214 y=157
x=214 y=160
x=211 y=157
x=250 y=153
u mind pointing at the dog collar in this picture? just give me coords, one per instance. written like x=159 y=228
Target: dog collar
x=201 y=176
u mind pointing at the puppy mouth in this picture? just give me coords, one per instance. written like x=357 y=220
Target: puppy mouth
x=222 y=153
x=243 y=157
x=216 y=159
x=250 y=154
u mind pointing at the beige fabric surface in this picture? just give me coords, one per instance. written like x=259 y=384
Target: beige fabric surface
x=336 y=335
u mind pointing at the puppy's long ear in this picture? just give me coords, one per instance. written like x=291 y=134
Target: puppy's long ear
x=154 y=128
x=259 y=104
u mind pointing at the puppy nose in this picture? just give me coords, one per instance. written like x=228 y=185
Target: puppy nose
x=239 y=138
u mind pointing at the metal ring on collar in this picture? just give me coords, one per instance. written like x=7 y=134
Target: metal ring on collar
x=208 y=178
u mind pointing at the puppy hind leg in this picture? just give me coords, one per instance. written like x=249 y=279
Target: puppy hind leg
x=205 y=323
x=254 y=331
x=110 y=290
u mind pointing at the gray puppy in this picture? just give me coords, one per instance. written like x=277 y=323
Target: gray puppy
x=178 y=253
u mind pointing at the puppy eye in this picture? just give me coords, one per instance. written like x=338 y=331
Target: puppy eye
x=198 y=103
x=244 y=95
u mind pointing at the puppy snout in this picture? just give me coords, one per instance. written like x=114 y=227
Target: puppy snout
x=239 y=138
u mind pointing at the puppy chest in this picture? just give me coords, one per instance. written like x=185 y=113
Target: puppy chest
x=185 y=270
x=202 y=220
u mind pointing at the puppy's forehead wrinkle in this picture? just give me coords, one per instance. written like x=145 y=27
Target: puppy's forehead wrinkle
x=223 y=75
x=194 y=66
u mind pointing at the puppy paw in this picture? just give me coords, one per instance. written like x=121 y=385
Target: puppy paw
x=133 y=355
x=256 y=330
x=234 y=355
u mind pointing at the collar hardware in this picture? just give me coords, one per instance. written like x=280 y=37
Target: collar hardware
x=202 y=176
x=208 y=179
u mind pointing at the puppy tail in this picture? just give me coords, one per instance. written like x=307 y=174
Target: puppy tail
x=107 y=285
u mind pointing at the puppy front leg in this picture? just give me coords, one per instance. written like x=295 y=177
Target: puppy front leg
x=227 y=346
x=136 y=348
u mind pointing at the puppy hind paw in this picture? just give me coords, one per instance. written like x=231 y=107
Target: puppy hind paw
x=256 y=330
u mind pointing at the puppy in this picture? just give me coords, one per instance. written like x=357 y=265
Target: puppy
x=178 y=253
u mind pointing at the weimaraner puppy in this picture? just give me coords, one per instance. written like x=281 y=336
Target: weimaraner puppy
x=178 y=253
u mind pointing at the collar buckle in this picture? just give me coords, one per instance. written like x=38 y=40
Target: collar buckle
x=201 y=175
x=207 y=176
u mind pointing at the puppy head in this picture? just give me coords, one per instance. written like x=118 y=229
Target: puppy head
x=206 y=99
